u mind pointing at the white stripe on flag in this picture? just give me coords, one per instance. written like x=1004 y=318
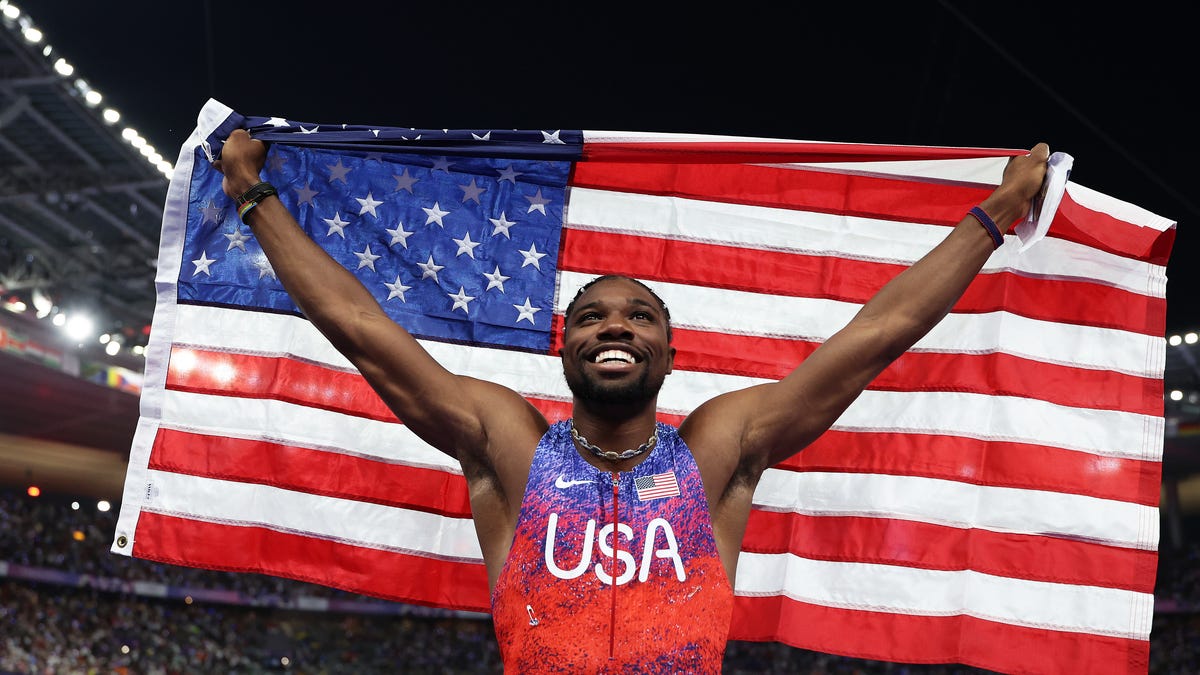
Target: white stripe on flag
x=291 y=424
x=346 y=521
x=961 y=505
x=906 y=590
x=826 y=234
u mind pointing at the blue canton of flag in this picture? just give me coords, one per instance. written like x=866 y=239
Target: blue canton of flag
x=454 y=247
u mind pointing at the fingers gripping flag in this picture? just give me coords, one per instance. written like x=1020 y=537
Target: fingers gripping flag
x=991 y=499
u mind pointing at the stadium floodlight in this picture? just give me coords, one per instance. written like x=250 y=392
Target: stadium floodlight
x=103 y=505
x=112 y=348
x=79 y=327
x=1176 y=395
x=1175 y=340
x=63 y=68
x=93 y=97
x=32 y=35
x=111 y=116
x=11 y=11
x=1190 y=338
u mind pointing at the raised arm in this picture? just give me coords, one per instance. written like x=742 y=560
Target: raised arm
x=461 y=416
x=773 y=421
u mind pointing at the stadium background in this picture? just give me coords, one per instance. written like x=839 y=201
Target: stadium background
x=81 y=203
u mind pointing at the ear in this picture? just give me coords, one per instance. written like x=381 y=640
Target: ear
x=671 y=360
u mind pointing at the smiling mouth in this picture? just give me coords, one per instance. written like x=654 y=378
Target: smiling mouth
x=614 y=356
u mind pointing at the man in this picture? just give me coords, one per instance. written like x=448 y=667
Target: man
x=610 y=540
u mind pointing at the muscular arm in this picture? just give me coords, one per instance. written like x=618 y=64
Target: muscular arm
x=770 y=422
x=467 y=418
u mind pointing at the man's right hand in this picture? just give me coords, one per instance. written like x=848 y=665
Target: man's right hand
x=242 y=159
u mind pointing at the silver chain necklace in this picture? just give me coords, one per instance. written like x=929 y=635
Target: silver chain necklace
x=614 y=456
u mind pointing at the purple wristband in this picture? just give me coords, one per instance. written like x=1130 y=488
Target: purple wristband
x=989 y=225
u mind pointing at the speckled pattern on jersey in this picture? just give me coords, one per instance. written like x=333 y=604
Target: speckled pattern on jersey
x=554 y=605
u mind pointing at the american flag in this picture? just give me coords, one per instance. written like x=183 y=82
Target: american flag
x=658 y=486
x=990 y=500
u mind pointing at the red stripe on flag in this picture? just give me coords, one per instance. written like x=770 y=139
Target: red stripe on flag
x=321 y=472
x=288 y=379
x=939 y=547
x=996 y=374
x=717 y=151
x=938 y=203
x=391 y=575
x=835 y=278
x=935 y=639
x=982 y=462
x=1100 y=230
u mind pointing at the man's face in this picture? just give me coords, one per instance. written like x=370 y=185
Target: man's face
x=615 y=350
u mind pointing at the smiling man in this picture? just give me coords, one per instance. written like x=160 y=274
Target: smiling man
x=610 y=539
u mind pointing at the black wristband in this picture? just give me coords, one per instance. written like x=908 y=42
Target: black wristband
x=250 y=198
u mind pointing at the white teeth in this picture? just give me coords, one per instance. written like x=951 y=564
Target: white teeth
x=613 y=355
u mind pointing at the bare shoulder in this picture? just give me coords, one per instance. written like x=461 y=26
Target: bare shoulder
x=715 y=432
x=510 y=428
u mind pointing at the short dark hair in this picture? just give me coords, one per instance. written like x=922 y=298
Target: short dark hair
x=609 y=277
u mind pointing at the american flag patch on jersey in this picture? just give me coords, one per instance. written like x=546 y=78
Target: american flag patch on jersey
x=657 y=486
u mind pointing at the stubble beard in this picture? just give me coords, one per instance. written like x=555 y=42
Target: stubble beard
x=638 y=391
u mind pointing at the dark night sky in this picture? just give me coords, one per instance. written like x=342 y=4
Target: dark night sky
x=1112 y=89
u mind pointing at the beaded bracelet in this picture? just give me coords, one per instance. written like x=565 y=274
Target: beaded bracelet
x=989 y=225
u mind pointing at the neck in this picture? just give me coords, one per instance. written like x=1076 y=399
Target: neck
x=614 y=430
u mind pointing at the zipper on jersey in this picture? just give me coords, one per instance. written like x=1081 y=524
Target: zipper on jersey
x=612 y=624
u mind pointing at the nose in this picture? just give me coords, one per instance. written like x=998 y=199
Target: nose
x=615 y=326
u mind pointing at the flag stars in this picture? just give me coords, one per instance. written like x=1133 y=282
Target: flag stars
x=368 y=205
x=404 y=182
x=509 y=174
x=429 y=269
x=551 y=137
x=202 y=264
x=338 y=171
x=399 y=235
x=264 y=268
x=277 y=122
x=460 y=300
x=212 y=213
x=305 y=194
x=308 y=131
x=537 y=202
x=435 y=215
x=336 y=225
x=532 y=256
x=526 y=311
x=366 y=258
x=485 y=137
x=237 y=240
x=495 y=280
x=501 y=225
x=441 y=164
x=465 y=245
x=396 y=289
x=472 y=192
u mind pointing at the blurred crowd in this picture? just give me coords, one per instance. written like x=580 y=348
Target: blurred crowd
x=53 y=628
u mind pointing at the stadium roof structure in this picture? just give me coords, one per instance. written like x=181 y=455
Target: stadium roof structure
x=81 y=195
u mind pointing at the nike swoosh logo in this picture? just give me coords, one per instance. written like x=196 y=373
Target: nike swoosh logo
x=561 y=483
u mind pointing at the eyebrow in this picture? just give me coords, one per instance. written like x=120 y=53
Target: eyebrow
x=632 y=300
